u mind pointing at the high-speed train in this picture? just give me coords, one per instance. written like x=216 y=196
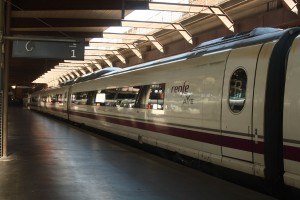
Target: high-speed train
x=232 y=102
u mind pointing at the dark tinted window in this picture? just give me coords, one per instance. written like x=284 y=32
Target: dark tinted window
x=237 y=90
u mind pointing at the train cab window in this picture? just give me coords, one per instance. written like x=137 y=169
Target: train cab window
x=237 y=90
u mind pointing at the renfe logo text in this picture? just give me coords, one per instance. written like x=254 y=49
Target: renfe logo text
x=180 y=89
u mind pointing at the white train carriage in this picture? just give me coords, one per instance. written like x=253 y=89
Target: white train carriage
x=291 y=117
x=228 y=103
x=52 y=101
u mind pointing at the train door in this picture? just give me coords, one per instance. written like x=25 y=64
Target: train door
x=237 y=103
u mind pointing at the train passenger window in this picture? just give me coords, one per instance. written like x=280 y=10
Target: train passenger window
x=44 y=99
x=91 y=97
x=156 y=97
x=237 y=90
x=151 y=97
x=34 y=99
x=59 y=98
x=100 y=98
x=79 y=98
x=126 y=96
x=53 y=98
x=110 y=97
x=65 y=97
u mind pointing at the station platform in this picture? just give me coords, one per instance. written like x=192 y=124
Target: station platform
x=53 y=160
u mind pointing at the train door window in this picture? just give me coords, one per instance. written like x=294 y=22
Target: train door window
x=237 y=90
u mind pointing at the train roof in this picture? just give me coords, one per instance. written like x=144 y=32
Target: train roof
x=255 y=36
x=91 y=76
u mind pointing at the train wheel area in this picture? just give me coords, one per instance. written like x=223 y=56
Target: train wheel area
x=50 y=159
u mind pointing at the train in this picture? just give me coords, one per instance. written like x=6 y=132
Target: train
x=231 y=102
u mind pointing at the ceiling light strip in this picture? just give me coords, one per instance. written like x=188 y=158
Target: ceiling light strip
x=191 y=8
x=160 y=25
x=291 y=5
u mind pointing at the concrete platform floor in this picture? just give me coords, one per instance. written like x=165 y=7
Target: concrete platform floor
x=51 y=160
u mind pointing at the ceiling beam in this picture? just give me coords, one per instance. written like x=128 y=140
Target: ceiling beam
x=60 y=22
x=159 y=25
x=191 y=8
x=292 y=5
x=79 y=5
x=144 y=37
x=59 y=33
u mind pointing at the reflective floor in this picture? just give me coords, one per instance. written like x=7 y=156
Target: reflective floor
x=51 y=160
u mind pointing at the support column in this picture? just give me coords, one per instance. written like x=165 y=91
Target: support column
x=2 y=17
x=5 y=12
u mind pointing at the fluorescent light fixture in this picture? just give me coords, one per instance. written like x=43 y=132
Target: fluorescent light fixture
x=147 y=24
x=124 y=36
x=291 y=5
x=70 y=64
x=92 y=57
x=66 y=68
x=77 y=61
x=180 y=8
x=106 y=45
x=96 y=52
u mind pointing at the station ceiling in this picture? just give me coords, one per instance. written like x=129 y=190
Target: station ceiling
x=62 y=18
x=78 y=18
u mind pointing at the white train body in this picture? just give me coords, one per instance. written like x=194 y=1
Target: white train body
x=211 y=105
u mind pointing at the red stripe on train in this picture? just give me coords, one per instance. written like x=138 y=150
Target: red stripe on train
x=220 y=140
x=290 y=153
